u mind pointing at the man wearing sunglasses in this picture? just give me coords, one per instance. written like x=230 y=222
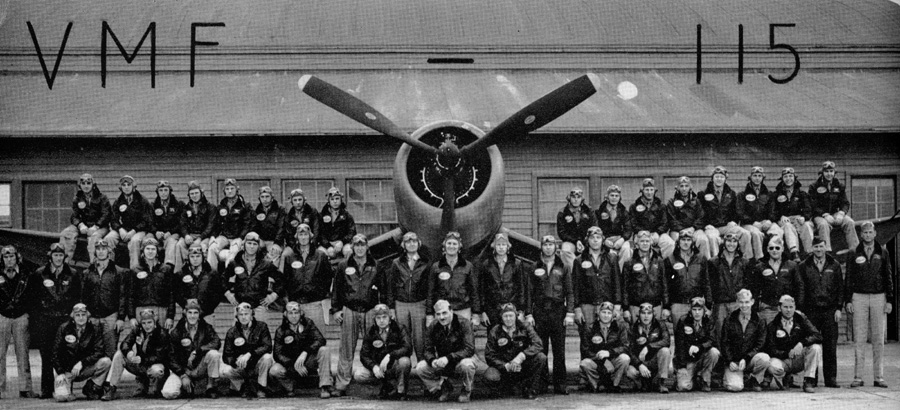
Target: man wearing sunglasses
x=772 y=277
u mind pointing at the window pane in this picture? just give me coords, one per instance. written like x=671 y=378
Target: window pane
x=371 y=203
x=5 y=209
x=313 y=189
x=247 y=188
x=872 y=197
x=47 y=205
x=552 y=194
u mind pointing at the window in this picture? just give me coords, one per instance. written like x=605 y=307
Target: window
x=48 y=205
x=5 y=209
x=552 y=194
x=666 y=191
x=872 y=197
x=371 y=203
x=313 y=189
x=247 y=188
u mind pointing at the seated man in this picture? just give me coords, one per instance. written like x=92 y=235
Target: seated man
x=385 y=355
x=514 y=353
x=300 y=348
x=91 y=213
x=605 y=348
x=145 y=354
x=829 y=203
x=650 y=354
x=248 y=347
x=743 y=337
x=794 y=345
x=130 y=219
x=449 y=350
x=695 y=348
x=79 y=355
x=195 y=355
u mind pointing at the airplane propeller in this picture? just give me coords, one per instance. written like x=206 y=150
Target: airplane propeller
x=450 y=158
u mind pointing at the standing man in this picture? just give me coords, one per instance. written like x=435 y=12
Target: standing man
x=300 y=349
x=130 y=219
x=514 y=354
x=820 y=294
x=572 y=223
x=78 y=354
x=552 y=307
x=356 y=291
x=167 y=213
x=646 y=281
x=406 y=290
x=91 y=213
x=231 y=225
x=648 y=213
x=753 y=211
x=338 y=227
x=684 y=211
x=299 y=214
x=743 y=338
x=720 y=213
x=385 y=355
x=454 y=279
x=794 y=345
x=605 y=348
x=150 y=287
x=197 y=222
x=771 y=278
x=790 y=208
x=615 y=221
x=198 y=283
x=60 y=290
x=247 y=356
x=105 y=293
x=145 y=353
x=308 y=276
x=595 y=279
x=726 y=277
x=503 y=281
x=267 y=222
x=253 y=280
x=688 y=271
x=650 y=354
x=195 y=356
x=868 y=290
x=18 y=289
x=696 y=351
x=449 y=351
x=828 y=200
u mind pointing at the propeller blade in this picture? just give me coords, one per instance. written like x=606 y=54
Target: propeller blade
x=540 y=112
x=448 y=216
x=346 y=104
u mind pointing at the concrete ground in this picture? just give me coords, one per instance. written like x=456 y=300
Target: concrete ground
x=362 y=397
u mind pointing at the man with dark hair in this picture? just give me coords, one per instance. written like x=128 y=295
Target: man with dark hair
x=449 y=351
x=820 y=295
x=91 y=213
x=514 y=353
x=194 y=357
x=385 y=355
x=130 y=219
x=78 y=354
x=300 y=349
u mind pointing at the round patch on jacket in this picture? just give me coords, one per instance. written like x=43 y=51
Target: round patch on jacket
x=239 y=270
x=539 y=272
x=604 y=216
x=378 y=344
x=142 y=275
x=597 y=339
x=780 y=333
x=223 y=212
x=82 y=205
x=158 y=211
x=123 y=207
x=569 y=218
x=688 y=330
x=48 y=283
x=782 y=198
x=678 y=204
x=641 y=340
x=709 y=197
x=640 y=208
x=185 y=342
x=70 y=339
x=350 y=270
x=260 y=217
x=288 y=340
x=296 y=265
x=768 y=272
x=295 y=223
x=821 y=190
x=860 y=259
x=326 y=218
x=187 y=279
x=189 y=213
x=585 y=265
x=239 y=342
x=678 y=266
x=444 y=275
x=638 y=267
x=502 y=342
x=750 y=197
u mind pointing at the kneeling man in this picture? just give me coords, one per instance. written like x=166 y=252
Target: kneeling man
x=248 y=353
x=80 y=355
x=604 y=348
x=195 y=355
x=449 y=350
x=794 y=345
x=514 y=353
x=650 y=354
x=385 y=354
x=743 y=337
x=299 y=349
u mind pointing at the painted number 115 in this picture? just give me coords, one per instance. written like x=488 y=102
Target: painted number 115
x=772 y=46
